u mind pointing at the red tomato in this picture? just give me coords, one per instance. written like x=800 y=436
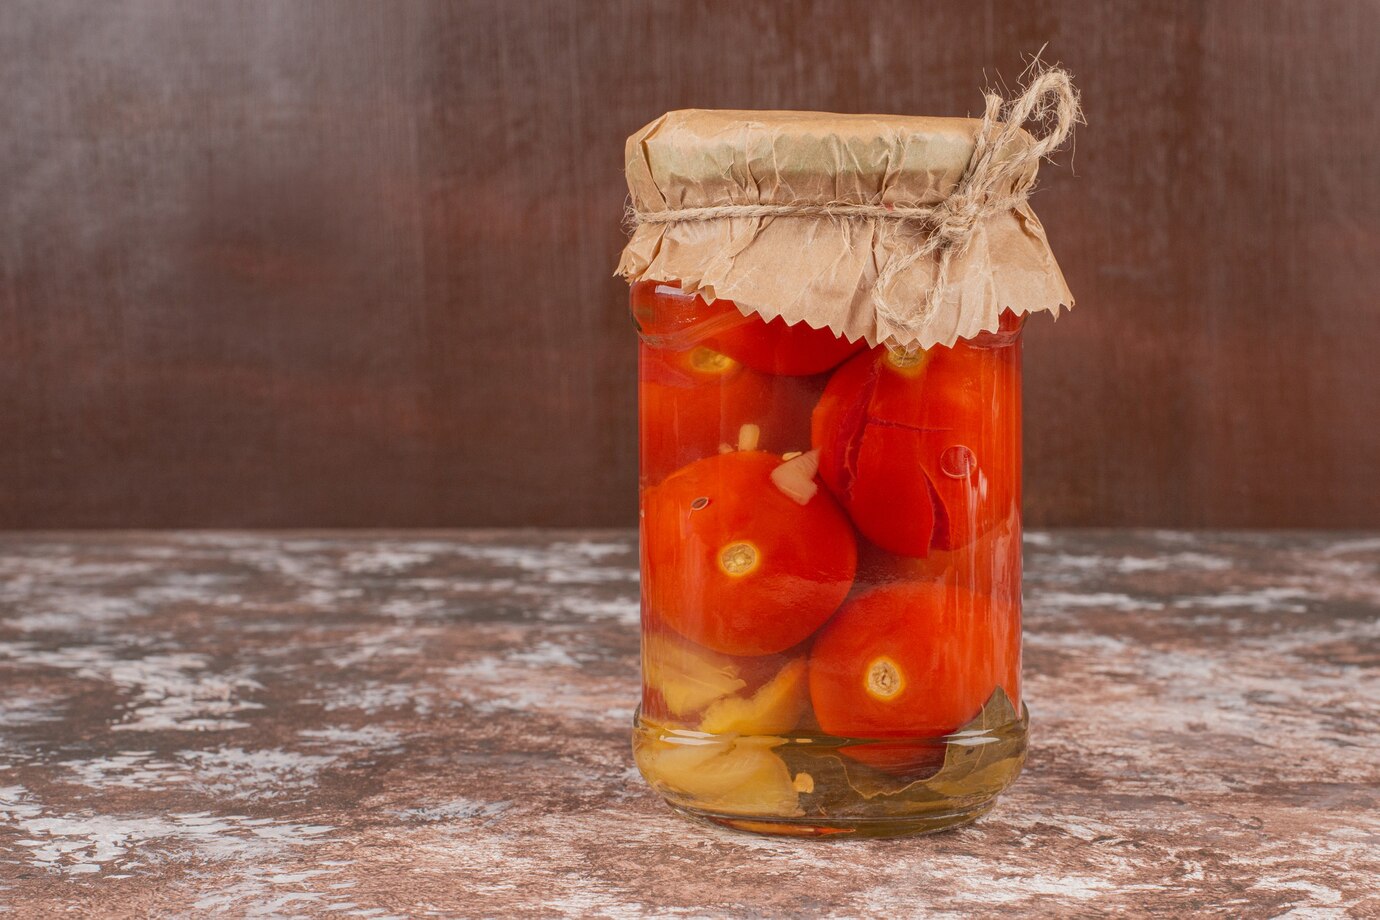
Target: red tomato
x=668 y=317
x=691 y=402
x=988 y=569
x=732 y=563
x=913 y=661
x=776 y=348
x=922 y=450
x=838 y=420
x=990 y=564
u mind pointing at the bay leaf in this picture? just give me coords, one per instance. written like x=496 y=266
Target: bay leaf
x=980 y=751
x=979 y=747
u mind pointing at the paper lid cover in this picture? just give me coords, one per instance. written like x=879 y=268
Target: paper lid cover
x=791 y=214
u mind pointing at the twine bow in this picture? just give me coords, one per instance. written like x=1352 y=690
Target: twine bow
x=1049 y=98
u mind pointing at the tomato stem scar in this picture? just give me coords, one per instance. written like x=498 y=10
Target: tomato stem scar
x=884 y=679
x=738 y=559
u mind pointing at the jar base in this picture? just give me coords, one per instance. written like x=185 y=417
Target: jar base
x=813 y=785
x=858 y=828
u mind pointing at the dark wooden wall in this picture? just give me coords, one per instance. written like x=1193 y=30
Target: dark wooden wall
x=261 y=262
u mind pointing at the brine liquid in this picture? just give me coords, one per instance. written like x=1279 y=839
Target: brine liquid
x=830 y=572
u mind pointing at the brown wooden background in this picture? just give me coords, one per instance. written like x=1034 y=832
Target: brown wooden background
x=259 y=260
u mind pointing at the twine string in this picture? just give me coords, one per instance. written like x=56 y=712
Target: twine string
x=1049 y=99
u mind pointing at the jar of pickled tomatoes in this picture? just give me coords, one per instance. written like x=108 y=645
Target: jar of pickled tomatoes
x=830 y=466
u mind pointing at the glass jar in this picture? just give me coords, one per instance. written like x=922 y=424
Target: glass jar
x=831 y=570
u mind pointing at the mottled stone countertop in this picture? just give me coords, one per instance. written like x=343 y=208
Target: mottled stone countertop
x=436 y=724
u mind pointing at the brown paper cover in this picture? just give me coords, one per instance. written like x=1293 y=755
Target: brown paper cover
x=822 y=270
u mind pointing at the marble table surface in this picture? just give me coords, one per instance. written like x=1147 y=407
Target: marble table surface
x=436 y=724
